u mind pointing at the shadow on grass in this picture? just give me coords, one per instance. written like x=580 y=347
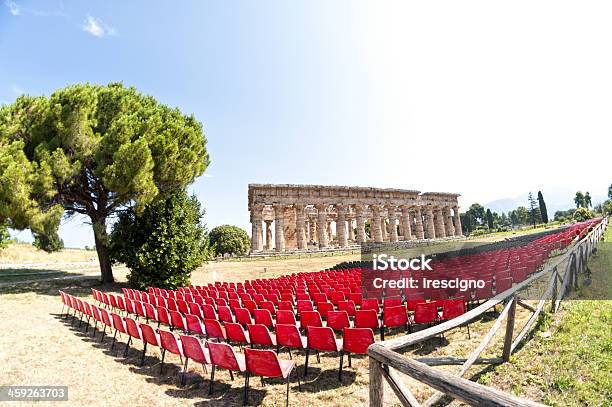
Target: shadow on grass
x=80 y=286
x=225 y=392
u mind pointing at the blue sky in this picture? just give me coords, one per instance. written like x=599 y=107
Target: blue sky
x=435 y=97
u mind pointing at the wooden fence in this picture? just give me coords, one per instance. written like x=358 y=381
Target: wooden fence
x=384 y=362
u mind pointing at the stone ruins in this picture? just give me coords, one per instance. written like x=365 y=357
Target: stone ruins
x=301 y=216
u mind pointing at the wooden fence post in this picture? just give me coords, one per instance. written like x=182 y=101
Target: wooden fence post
x=554 y=291
x=509 y=331
x=376 y=383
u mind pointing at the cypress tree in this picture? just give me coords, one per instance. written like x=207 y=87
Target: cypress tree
x=542 y=204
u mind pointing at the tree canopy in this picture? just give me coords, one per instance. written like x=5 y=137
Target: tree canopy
x=228 y=239
x=92 y=150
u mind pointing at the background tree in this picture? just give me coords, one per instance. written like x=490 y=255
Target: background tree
x=93 y=150
x=514 y=218
x=587 y=200
x=606 y=208
x=467 y=222
x=534 y=210
x=489 y=219
x=522 y=215
x=579 y=199
x=477 y=212
x=542 y=205
x=162 y=244
x=610 y=192
x=228 y=239
x=49 y=243
x=4 y=236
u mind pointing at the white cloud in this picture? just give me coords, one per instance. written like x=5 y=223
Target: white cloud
x=97 y=28
x=13 y=7
x=205 y=175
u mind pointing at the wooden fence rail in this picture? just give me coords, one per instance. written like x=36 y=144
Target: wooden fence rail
x=384 y=361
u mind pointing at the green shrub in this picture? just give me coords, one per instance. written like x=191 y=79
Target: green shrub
x=163 y=244
x=582 y=214
x=227 y=239
x=49 y=243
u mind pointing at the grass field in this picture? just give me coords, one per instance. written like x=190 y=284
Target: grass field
x=569 y=363
x=40 y=348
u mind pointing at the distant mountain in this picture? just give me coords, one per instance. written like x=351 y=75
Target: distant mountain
x=556 y=198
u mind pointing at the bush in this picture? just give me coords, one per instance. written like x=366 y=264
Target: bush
x=49 y=243
x=582 y=214
x=229 y=239
x=163 y=244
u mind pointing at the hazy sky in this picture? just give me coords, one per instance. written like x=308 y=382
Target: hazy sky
x=487 y=99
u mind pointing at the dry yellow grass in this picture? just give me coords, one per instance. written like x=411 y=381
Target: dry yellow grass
x=43 y=349
x=20 y=253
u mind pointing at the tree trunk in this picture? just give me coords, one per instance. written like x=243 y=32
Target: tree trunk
x=101 y=239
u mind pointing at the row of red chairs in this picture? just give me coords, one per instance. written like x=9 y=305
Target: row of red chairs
x=257 y=362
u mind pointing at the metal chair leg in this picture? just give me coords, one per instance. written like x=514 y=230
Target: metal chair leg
x=161 y=368
x=246 y=389
x=340 y=369
x=306 y=362
x=144 y=351
x=212 y=379
x=183 y=378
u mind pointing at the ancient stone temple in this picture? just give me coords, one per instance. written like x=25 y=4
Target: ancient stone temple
x=300 y=217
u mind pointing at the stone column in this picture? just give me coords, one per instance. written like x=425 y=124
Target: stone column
x=361 y=234
x=458 y=230
x=375 y=227
x=419 y=224
x=448 y=222
x=392 y=224
x=313 y=231
x=383 y=228
x=300 y=226
x=439 y=223
x=268 y=235
x=256 y=231
x=330 y=235
x=279 y=226
x=322 y=226
x=406 y=228
x=341 y=226
x=351 y=230
x=429 y=219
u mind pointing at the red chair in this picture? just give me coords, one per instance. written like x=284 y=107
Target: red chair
x=370 y=303
x=194 y=309
x=269 y=305
x=348 y=306
x=321 y=339
x=263 y=317
x=265 y=363
x=150 y=312
x=338 y=320
x=304 y=305
x=310 y=318
x=355 y=340
x=119 y=325
x=425 y=313
x=223 y=356
x=285 y=306
x=213 y=329
x=324 y=308
x=107 y=321
x=163 y=316
x=208 y=311
x=133 y=331
x=169 y=343
x=260 y=335
x=194 y=349
x=392 y=317
x=289 y=336
x=236 y=333
x=391 y=302
x=149 y=336
x=194 y=325
x=367 y=318
x=286 y=317
x=225 y=314
x=177 y=321
x=243 y=316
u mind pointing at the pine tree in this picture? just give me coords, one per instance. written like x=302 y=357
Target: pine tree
x=534 y=210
